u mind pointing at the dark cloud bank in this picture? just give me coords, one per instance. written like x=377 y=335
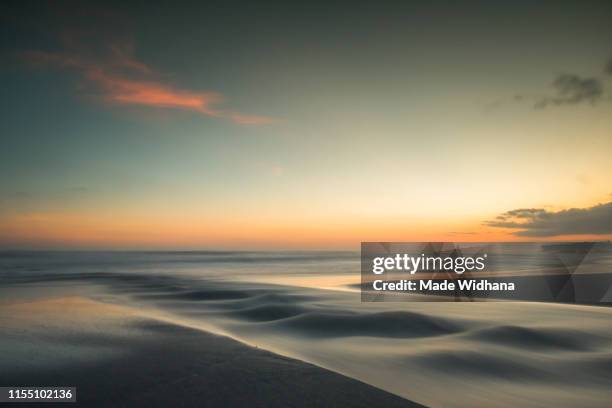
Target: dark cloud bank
x=538 y=222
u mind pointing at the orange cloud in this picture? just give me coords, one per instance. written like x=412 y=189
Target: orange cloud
x=149 y=93
x=124 y=80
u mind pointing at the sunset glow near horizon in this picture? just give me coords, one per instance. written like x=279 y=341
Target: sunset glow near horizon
x=295 y=130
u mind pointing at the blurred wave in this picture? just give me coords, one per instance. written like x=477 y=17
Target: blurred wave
x=484 y=354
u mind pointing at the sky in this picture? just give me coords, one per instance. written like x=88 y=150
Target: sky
x=271 y=125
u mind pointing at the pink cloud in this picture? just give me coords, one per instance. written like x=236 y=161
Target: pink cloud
x=150 y=93
x=123 y=80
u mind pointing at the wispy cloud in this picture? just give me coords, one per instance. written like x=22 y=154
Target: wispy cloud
x=539 y=222
x=572 y=89
x=120 y=78
x=567 y=89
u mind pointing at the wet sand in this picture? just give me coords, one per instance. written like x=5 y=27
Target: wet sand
x=439 y=354
x=117 y=357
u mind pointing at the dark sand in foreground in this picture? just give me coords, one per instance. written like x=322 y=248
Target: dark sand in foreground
x=120 y=359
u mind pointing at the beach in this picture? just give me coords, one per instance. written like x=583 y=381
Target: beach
x=229 y=329
x=117 y=357
x=306 y=204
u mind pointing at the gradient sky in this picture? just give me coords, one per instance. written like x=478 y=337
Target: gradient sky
x=320 y=125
